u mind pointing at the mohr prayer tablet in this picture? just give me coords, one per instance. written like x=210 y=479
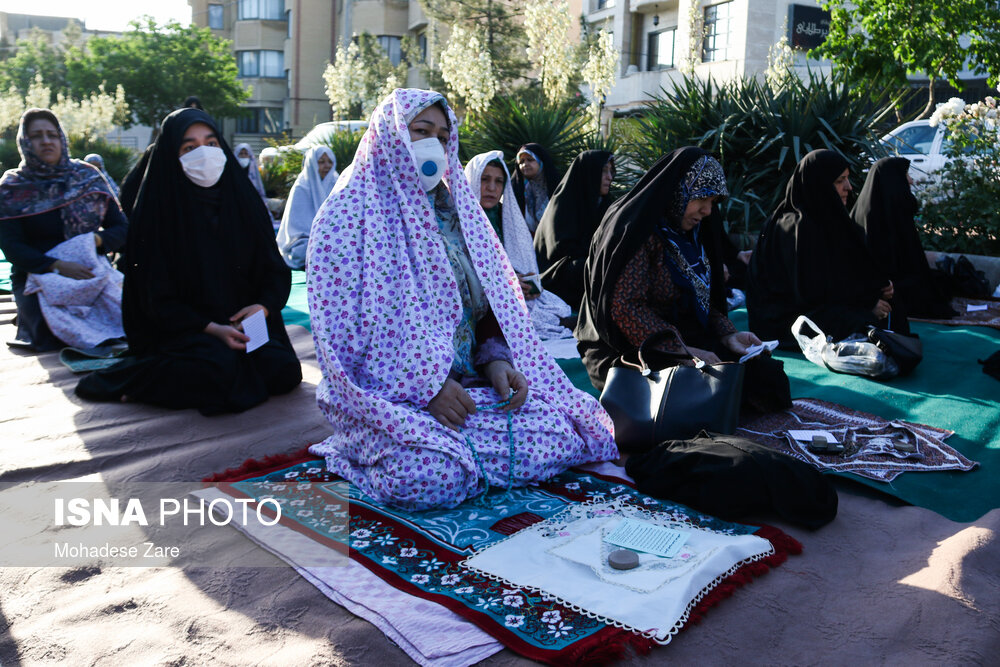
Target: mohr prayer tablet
x=623 y=559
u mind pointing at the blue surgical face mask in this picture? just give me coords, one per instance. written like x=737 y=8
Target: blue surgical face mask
x=431 y=162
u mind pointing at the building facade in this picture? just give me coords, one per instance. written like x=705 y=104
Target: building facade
x=659 y=41
x=283 y=46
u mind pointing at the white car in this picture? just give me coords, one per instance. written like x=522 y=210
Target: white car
x=924 y=146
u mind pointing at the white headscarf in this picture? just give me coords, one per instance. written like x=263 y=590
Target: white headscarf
x=307 y=195
x=547 y=309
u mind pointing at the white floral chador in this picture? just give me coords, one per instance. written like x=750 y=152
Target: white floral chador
x=385 y=305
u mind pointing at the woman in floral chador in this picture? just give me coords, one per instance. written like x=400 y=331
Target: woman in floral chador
x=421 y=330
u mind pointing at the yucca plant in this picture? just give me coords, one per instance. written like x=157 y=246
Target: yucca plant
x=509 y=124
x=759 y=131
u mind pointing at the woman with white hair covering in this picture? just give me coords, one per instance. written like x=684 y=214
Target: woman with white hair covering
x=313 y=184
x=248 y=165
x=485 y=173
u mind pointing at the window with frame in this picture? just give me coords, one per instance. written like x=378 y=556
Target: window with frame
x=604 y=4
x=261 y=120
x=660 y=49
x=422 y=46
x=273 y=10
x=262 y=64
x=216 y=17
x=393 y=47
x=718 y=20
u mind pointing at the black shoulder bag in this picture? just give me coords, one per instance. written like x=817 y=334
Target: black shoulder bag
x=649 y=405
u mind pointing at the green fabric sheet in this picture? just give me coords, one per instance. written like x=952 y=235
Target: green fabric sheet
x=948 y=390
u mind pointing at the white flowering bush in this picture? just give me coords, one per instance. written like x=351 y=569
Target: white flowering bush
x=547 y=26
x=360 y=76
x=960 y=202
x=780 y=60
x=89 y=118
x=467 y=69
x=600 y=73
x=344 y=81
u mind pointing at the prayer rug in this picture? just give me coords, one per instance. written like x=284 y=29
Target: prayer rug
x=990 y=317
x=421 y=553
x=876 y=449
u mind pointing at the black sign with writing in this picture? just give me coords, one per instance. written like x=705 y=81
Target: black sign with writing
x=807 y=26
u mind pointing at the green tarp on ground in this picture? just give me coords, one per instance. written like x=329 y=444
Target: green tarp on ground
x=948 y=390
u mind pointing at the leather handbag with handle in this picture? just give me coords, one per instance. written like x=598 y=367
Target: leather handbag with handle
x=650 y=405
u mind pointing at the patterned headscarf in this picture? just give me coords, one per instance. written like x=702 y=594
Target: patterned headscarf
x=384 y=303
x=705 y=178
x=73 y=186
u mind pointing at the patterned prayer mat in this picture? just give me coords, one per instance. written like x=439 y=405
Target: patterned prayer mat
x=977 y=318
x=876 y=449
x=421 y=553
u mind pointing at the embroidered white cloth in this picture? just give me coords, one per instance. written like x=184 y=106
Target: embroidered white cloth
x=81 y=313
x=567 y=558
x=548 y=309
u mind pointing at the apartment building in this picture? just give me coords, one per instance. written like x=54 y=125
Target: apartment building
x=282 y=47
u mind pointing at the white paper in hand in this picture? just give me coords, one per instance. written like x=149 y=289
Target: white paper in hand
x=255 y=326
x=976 y=307
x=756 y=350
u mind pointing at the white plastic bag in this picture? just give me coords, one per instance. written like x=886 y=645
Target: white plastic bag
x=854 y=355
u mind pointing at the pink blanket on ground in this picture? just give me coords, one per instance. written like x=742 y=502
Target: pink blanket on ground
x=881 y=583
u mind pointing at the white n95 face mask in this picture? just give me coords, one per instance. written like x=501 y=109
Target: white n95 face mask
x=431 y=162
x=244 y=161
x=204 y=165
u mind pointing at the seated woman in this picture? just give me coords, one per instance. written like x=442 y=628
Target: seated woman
x=201 y=258
x=562 y=239
x=421 y=333
x=98 y=161
x=884 y=213
x=313 y=184
x=488 y=175
x=535 y=180
x=46 y=200
x=248 y=164
x=810 y=260
x=655 y=265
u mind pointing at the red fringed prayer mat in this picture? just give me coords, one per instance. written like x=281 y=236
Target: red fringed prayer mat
x=422 y=554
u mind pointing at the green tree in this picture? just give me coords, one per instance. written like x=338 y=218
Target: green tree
x=496 y=21
x=33 y=56
x=160 y=65
x=880 y=42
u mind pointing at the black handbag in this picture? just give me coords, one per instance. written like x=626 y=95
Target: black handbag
x=649 y=405
x=906 y=350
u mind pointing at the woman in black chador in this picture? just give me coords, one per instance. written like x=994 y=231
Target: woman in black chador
x=201 y=258
x=562 y=239
x=884 y=213
x=811 y=260
x=656 y=265
x=534 y=181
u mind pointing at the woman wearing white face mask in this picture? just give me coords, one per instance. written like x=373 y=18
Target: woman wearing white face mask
x=248 y=165
x=201 y=258
x=434 y=382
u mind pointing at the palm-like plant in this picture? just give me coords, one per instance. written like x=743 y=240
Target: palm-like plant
x=509 y=124
x=759 y=131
